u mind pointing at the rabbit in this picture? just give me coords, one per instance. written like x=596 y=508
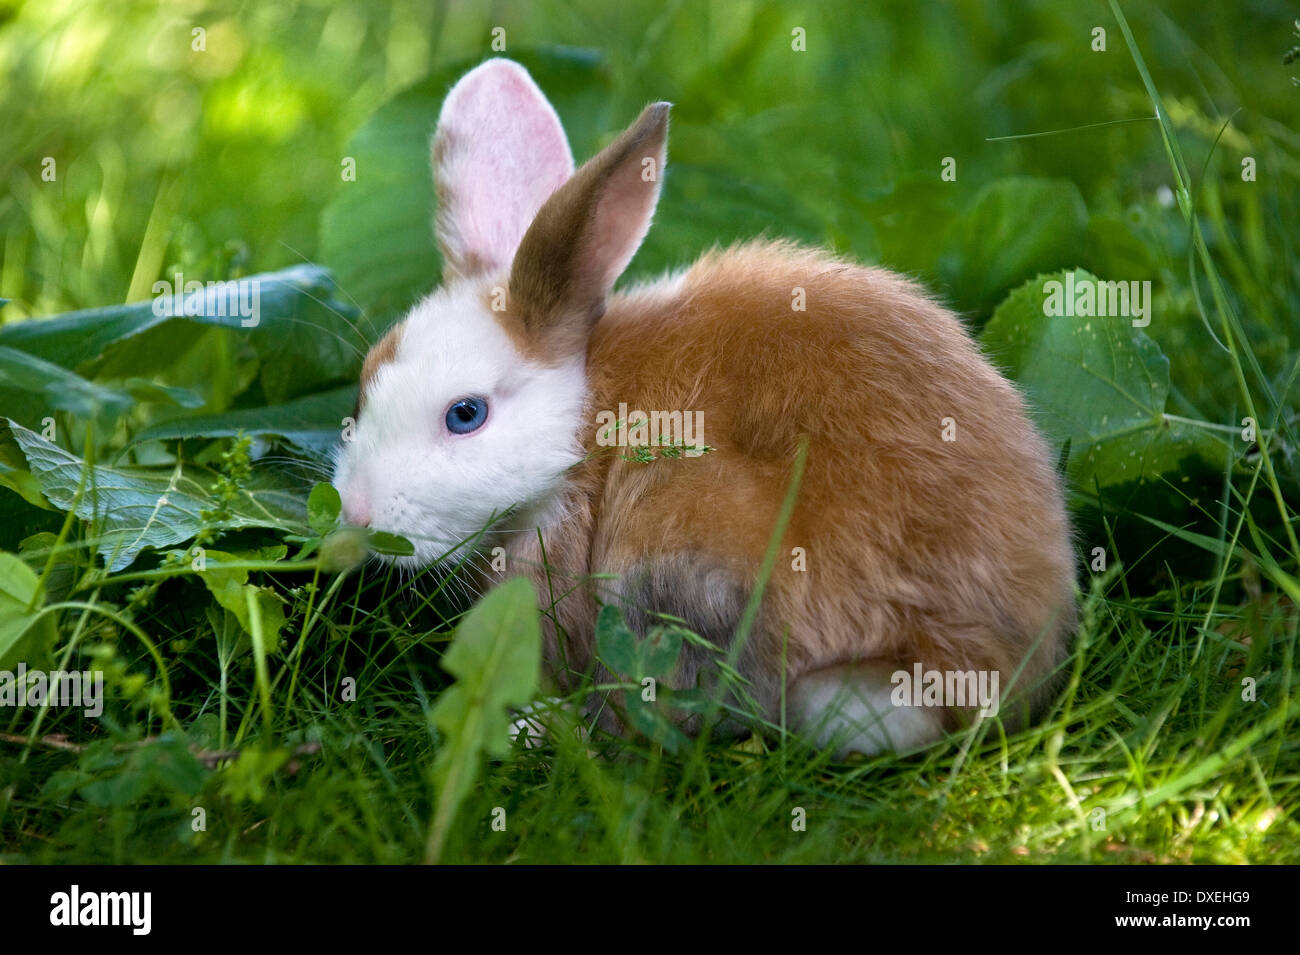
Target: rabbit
x=928 y=534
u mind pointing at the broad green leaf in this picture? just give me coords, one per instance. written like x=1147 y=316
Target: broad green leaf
x=139 y=507
x=1016 y=228
x=650 y=718
x=906 y=220
x=166 y=764
x=218 y=364
x=653 y=655
x=54 y=388
x=32 y=389
x=615 y=641
x=229 y=586
x=323 y=508
x=26 y=511
x=63 y=783
x=636 y=659
x=495 y=656
x=312 y=422
x=41 y=553
x=76 y=337
x=304 y=337
x=1100 y=383
x=23 y=483
x=142 y=389
x=173 y=767
x=19 y=587
x=121 y=789
x=393 y=544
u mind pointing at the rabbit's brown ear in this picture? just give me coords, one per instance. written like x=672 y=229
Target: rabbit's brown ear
x=585 y=235
x=498 y=153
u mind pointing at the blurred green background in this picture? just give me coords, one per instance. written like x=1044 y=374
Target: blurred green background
x=215 y=139
x=227 y=160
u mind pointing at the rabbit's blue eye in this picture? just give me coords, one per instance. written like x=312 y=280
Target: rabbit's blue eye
x=466 y=415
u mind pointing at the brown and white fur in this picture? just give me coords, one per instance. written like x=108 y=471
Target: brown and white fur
x=954 y=554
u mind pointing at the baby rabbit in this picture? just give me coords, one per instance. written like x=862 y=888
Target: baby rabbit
x=928 y=532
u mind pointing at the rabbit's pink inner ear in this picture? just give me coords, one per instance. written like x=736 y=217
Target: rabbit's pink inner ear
x=498 y=154
x=586 y=233
x=626 y=203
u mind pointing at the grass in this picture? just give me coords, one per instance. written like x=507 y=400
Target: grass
x=1151 y=754
x=1174 y=738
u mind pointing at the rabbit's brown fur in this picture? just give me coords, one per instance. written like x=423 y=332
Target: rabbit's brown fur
x=954 y=554
x=903 y=549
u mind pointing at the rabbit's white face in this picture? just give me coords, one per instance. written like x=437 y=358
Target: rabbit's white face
x=457 y=429
x=470 y=413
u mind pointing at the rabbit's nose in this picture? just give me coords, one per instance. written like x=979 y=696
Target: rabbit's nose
x=355 y=509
